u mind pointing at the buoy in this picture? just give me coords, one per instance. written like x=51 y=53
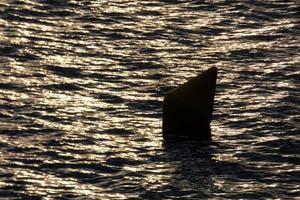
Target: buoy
x=187 y=110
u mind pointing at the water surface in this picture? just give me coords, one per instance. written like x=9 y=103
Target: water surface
x=81 y=86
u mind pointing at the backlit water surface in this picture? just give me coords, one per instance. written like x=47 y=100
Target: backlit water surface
x=81 y=86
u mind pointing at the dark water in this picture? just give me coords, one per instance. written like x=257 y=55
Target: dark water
x=81 y=85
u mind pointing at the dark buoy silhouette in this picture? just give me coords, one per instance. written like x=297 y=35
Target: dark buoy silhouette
x=187 y=110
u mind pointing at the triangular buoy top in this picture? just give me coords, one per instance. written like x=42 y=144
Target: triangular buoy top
x=187 y=110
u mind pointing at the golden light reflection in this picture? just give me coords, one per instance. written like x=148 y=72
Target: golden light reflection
x=96 y=116
x=46 y=181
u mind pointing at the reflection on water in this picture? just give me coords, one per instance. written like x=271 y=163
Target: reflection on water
x=81 y=86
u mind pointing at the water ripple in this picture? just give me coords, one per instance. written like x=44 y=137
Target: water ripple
x=81 y=89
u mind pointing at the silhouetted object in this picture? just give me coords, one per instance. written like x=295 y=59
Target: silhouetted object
x=187 y=110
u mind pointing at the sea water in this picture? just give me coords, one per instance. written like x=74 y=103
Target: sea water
x=81 y=90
